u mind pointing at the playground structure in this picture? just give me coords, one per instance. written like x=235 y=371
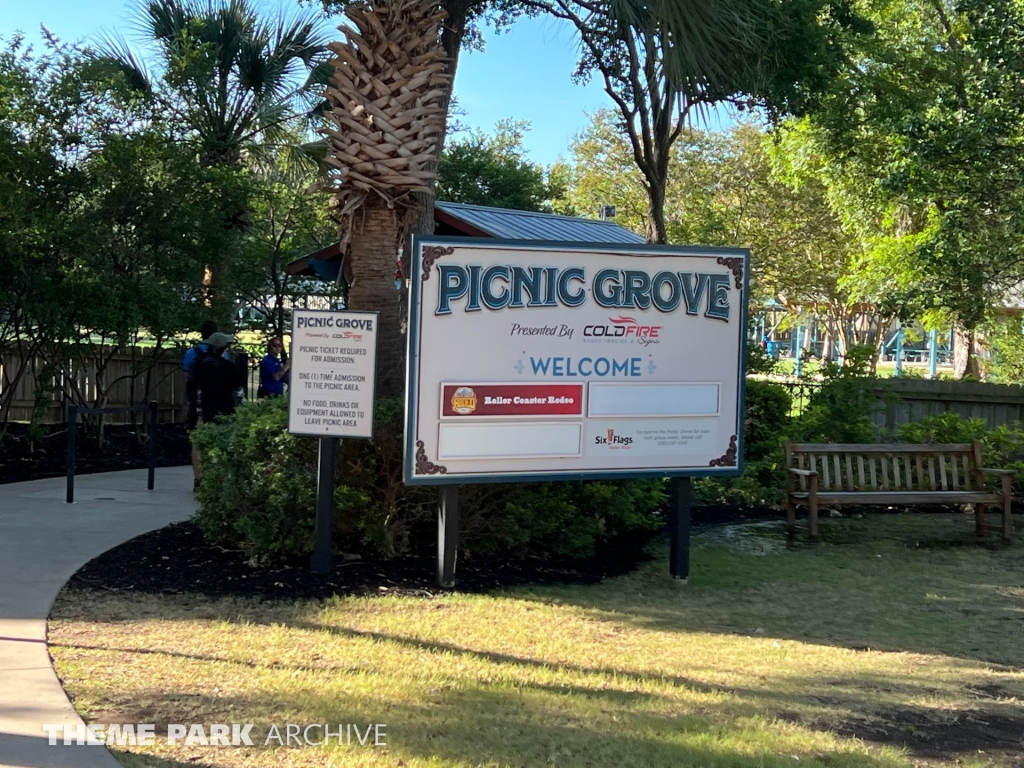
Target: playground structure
x=908 y=346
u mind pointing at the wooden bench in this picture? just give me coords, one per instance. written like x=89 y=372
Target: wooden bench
x=894 y=473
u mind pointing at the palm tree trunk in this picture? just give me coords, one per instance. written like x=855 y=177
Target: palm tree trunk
x=453 y=31
x=377 y=232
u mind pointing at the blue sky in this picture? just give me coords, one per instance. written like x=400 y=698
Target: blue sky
x=524 y=73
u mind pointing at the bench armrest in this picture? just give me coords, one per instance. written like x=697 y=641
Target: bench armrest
x=1001 y=472
x=802 y=472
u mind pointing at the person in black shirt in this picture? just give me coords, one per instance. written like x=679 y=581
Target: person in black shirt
x=217 y=378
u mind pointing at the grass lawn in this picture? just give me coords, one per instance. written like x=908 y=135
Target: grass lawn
x=898 y=641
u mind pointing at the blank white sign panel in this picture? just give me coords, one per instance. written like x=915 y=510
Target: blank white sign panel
x=653 y=400
x=485 y=441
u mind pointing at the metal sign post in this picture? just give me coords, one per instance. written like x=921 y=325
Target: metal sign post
x=331 y=395
x=447 y=535
x=680 y=504
x=322 y=560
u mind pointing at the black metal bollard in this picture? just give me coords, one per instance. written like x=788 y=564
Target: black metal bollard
x=153 y=413
x=72 y=445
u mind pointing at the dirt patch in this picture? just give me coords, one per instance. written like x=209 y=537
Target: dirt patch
x=942 y=735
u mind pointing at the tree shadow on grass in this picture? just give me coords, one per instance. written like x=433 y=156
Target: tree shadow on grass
x=483 y=723
x=929 y=587
x=502 y=726
x=585 y=710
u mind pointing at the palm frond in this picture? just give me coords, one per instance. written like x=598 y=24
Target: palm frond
x=114 y=50
x=703 y=38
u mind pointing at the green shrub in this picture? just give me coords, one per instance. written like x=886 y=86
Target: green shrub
x=259 y=482
x=766 y=423
x=571 y=519
x=1007 y=341
x=840 y=412
x=1002 y=447
x=259 y=492
x=943 y=428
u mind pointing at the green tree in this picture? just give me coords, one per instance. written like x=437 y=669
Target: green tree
x=237 y=85
x=925 y=129
x=762 y=190
x=287 y=224
x=493 y=170
x=662 y=64
x=107 y=225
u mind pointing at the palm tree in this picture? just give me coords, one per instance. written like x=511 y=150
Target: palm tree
x=235 y=84
x=388 y=94
x=234 y=80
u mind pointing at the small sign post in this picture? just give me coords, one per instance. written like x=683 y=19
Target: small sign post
x=331 y=395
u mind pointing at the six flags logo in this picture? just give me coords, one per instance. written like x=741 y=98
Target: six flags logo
x=623 y=326
x=612 y=440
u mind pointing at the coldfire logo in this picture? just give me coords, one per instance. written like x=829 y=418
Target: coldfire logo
x=464 y=400
x=622 y=327
x=612 y=440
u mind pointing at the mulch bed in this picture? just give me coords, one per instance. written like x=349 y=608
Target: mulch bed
x=22 y=459
x=178 y=560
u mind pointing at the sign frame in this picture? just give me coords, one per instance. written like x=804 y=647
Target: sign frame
x=435 y=475
x=292 y=391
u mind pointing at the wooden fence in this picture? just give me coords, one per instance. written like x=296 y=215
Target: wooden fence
x=134 y=379
x=901 y=401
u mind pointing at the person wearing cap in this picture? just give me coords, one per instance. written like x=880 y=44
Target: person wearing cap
x=217 y=378
x=189 y=362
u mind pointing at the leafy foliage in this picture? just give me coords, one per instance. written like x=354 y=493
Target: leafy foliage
x=1003 y=446
x=493 y=170
x=1006 y=338
x=766 y=423
x=259 y=492
x=663 y=63
x=924 y=136
x=840 y=412
x=285 y=224
x=105 y=224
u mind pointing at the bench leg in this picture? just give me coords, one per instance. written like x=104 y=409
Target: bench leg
x=1007 y=509
x=790 y=517
x=979 y=519
x=812 y=511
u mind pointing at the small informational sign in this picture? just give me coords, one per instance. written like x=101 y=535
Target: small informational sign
x=334 y=356
x=534 y=361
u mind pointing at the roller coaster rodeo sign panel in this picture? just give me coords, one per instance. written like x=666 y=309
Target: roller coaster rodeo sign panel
x=548 y=361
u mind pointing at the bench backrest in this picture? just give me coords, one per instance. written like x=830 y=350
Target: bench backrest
x=888 y=467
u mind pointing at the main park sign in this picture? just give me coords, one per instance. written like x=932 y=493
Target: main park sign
x=554 y=361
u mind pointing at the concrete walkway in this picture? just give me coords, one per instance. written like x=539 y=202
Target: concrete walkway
x=43 y=541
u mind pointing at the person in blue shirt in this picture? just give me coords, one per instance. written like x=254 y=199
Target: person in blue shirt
x=273 y=369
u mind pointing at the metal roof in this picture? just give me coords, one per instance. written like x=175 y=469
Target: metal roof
x=527 y=225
